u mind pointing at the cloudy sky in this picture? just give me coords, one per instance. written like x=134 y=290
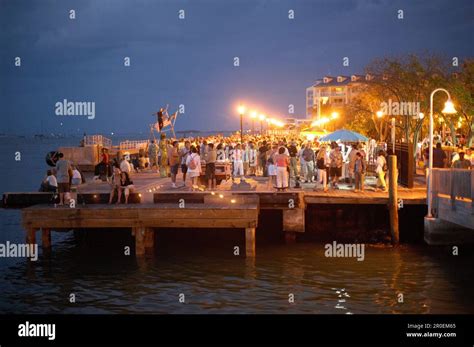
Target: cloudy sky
x=191 y=61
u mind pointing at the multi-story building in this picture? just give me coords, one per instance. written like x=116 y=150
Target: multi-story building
x=334 y=92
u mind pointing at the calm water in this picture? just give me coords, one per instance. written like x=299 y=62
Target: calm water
x=210 y=277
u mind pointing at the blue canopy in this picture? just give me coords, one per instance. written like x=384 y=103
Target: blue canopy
x=343 y=135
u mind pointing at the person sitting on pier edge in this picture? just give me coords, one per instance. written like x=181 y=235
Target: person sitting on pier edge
x=115 y=183
x=194 y=167
x=49 y=184
x=282 y=162
x=380 y=170
x=211 y=157
x=63 y=170
x=126 y=185
x=174 y=162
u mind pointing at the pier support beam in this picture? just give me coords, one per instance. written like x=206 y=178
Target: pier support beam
x=250 y=242
x=149 y=240
x=139 y=241
x=46 y=239
x=31 y=236
x=293 y=222
x=393 y=198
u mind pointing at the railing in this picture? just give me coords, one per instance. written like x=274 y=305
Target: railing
x=91 y=140
x=127 y=145
x=455 y=183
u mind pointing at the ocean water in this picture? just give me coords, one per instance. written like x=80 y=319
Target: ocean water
x=94 y=268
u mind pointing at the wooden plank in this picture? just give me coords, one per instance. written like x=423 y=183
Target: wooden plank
x=250 y=242
x=149 y=240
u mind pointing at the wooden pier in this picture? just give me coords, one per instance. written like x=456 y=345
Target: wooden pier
x=154 y=204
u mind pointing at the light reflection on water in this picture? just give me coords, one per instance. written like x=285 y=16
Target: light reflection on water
x=215 y=281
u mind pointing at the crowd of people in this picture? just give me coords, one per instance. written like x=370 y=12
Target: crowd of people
x=283 y=161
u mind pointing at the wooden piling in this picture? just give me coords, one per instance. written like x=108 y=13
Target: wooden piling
x=149 y=240
x=139 y=241
x=31 y=236
x=46 y=238
x=393 y=198
x=250 y=242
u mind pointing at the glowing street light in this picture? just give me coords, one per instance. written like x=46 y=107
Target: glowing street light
x=448 y=109
x=241 y=110
x=334 y=115
x=379 y=114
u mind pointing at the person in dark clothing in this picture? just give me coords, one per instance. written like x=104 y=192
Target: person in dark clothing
x=439 y=157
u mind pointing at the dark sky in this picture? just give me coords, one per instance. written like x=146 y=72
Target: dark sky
x=190 y=61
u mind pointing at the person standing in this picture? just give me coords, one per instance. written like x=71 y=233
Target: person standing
x=63 y=170
x=461 y=163
x=336 y=165
x=282 y=161
x=185 y=151
x=271 y=166
x=308 y=157
x=153 y=155
x=238 y=162
x=322 y=163
x=252 y=159
x=381 y=169
x=293 y=152
x=193 y=162
x=174 y=162
x=439 y=157
x=352 y=158
x=211 y=158
x=359 y=171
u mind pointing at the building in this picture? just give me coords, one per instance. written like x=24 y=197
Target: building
x=334 y=92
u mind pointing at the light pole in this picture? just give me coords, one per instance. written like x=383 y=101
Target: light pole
x=241 y=112
x=380 y=114
x=448 y=109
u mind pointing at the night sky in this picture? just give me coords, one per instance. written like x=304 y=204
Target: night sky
x=191 y=61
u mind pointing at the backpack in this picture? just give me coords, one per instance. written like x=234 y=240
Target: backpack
x=192 y=163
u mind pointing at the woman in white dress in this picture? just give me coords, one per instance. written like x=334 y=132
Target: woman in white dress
x=193 y=163
x=271 y=166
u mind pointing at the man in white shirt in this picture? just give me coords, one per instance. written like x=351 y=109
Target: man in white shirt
x=125 y=166
x=238 y=162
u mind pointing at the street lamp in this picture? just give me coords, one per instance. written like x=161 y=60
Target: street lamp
x=241 y=110
x=448 y=109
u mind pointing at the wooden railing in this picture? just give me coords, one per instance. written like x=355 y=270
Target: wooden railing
x=124 y=145
x=455 y=183
x=100 y=140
